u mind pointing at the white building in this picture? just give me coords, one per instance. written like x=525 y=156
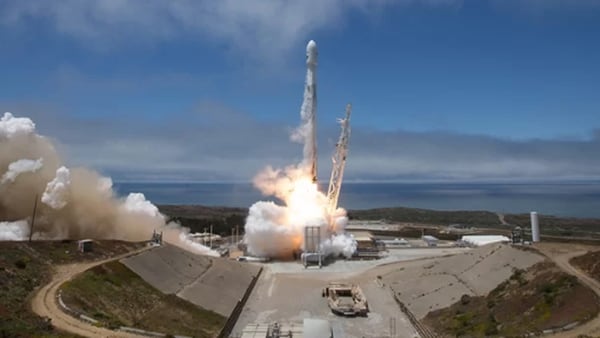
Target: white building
x=480 y=240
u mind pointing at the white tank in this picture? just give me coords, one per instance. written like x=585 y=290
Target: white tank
x=535 y=227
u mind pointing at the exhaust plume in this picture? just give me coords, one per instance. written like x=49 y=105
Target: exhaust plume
x=273 y=230
x=76 y=202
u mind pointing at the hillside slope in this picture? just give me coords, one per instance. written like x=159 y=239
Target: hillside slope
x=115 y=296
x=539 y=298
x=25 y=266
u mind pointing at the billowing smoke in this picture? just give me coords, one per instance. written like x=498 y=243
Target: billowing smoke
x=278 y=230
x=13 y=231
x=274 y=230
x=73 y=202
x=18 y=167
x=57 y=190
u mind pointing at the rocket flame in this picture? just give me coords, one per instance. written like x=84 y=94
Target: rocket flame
x=305 y=203
x=277 y=231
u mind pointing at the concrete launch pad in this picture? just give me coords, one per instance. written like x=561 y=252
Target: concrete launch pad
x=287 y=292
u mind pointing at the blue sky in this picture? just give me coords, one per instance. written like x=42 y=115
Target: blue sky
x=204 y=90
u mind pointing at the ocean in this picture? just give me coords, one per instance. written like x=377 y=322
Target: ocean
x=559 y=199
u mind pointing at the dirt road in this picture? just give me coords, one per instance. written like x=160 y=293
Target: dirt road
x=561 y=254
x=44 y=302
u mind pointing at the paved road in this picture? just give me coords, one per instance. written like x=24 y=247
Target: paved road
x=561 y=254
x=501 y=219
x=44 y=302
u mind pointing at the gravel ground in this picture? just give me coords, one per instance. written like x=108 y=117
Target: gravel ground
x=287 y=292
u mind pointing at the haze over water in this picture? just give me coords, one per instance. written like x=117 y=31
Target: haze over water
x=581 y=199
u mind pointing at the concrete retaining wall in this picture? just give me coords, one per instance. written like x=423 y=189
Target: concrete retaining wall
x=213 y=283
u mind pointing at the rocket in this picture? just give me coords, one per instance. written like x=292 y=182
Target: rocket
x=309 y=109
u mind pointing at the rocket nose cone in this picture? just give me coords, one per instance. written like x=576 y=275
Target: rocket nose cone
x=311 y=47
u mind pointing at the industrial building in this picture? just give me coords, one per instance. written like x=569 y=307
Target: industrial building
x=364 y=240
x=207 y=239
x=480 y=240
x=395 y=243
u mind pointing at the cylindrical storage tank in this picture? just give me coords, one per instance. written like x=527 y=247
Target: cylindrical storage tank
x=535 y=227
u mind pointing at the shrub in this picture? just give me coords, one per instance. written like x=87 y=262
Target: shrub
x=20 y=264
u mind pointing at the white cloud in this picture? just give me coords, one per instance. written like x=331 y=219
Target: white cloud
x=217 y=144
x=259 y=28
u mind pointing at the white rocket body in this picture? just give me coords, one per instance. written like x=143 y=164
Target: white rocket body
x=309 y=109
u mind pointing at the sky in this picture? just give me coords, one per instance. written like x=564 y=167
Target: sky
x=182 y=90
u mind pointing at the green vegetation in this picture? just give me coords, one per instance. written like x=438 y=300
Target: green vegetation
x=25 y=266
x=198 y=218
x=223 y=219
x=540 y=298
x=115 y=296
x=588 y=263
x=559 y=226
x=424 y=216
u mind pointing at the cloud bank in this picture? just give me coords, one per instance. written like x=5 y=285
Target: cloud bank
x=204 y=145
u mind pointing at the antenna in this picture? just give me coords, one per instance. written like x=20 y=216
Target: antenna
x=33 y=217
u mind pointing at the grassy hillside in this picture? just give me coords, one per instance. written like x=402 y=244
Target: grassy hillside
x=542 y=297
x=25 y=266
x=588 y=263
x=198 y=217
x=425 y=216
x=559 y=226
x=115 y=296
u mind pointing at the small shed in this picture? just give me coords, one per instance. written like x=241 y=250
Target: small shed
x=430 y=240
x=85 y=245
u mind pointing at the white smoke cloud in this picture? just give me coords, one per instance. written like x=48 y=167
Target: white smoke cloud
x=177 y=235
x=342 y=244
x=57 y=190
x=76 y=202
x=11 y=126
x=18 y=167
x=14 y=231
x=267 y=233
x=137 y=203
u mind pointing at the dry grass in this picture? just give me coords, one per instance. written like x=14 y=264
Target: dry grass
x=25 y=266
x=115 y=296
x=543 y=297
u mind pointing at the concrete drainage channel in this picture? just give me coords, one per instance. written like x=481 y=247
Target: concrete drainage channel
x=423 y=330
x=88 y=319
x=237 y=310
